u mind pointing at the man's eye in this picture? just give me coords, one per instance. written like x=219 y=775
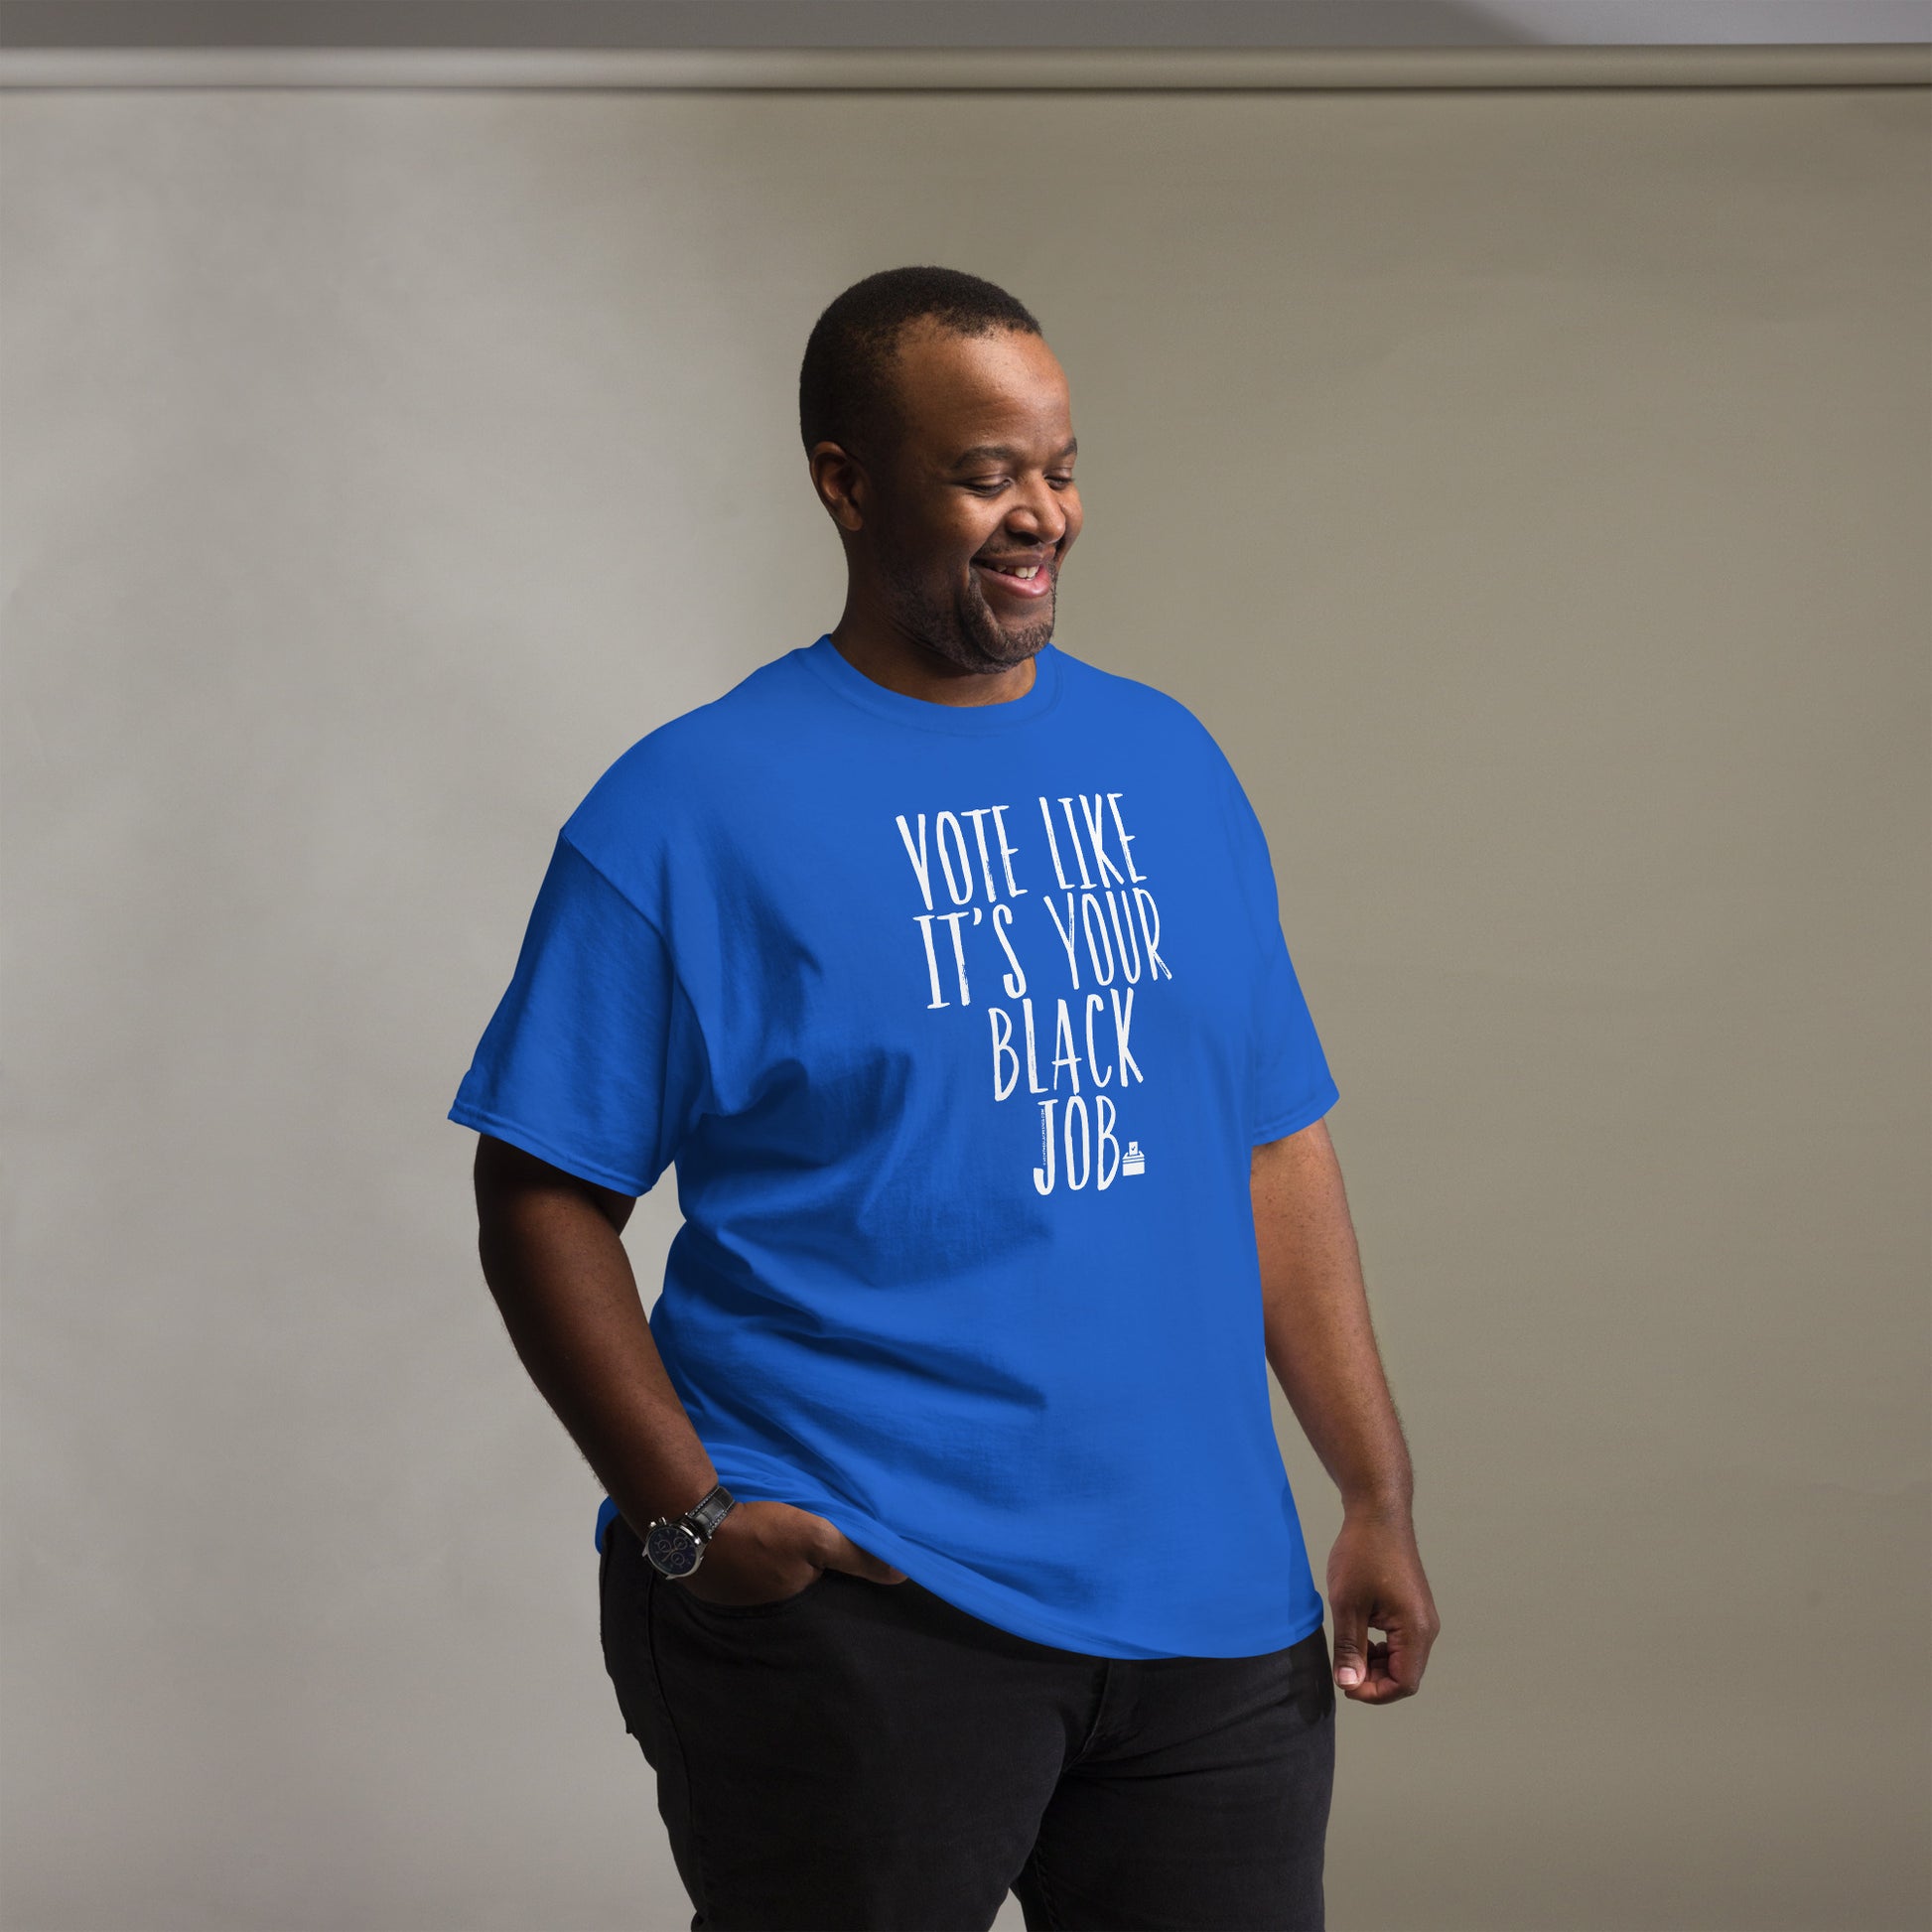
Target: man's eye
x=991 y=489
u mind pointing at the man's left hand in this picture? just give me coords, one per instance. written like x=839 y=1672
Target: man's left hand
x=1375 y=1577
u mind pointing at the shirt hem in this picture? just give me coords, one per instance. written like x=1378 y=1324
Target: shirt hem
x=1306 y=1115
x=500 y=1129
x=960 y=1586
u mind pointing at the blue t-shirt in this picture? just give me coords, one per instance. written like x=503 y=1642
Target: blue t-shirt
x=959 y=1023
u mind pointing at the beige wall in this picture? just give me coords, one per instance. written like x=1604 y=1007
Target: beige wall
x=1529 y=488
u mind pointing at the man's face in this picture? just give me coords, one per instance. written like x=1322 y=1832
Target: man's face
x=982 y=476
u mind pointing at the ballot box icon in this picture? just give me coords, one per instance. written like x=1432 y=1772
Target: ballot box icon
x=1133 y=1160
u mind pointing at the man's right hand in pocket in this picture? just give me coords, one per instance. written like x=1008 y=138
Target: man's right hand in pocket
x=763 y=1552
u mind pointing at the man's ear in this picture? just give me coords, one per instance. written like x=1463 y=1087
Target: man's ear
x=842 y=485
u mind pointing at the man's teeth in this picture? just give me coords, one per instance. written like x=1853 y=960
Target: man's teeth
x=1032 y=570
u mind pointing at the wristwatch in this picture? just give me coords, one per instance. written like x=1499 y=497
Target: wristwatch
x=675 y=1545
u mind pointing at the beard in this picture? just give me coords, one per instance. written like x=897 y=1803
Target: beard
x=963 y=629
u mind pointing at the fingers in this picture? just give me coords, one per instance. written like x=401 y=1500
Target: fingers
x=847 y=1554
x=1379 y=1685
x=1350 y=1643
x=1408 y=1655
x=1389 y=1675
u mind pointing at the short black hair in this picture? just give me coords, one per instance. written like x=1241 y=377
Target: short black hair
x=845 y=384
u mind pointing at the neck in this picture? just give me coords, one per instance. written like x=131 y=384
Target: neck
x=889 y=655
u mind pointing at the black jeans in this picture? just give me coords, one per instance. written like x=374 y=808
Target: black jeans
x=866 y=1756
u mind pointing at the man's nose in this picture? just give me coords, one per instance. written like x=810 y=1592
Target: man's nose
x=1041 y=518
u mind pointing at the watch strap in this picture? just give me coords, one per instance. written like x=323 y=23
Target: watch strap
x=709 y=1511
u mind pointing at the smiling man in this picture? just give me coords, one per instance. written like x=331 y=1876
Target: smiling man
x=947 y=1547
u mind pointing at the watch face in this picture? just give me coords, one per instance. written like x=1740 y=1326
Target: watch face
x=673 y=1549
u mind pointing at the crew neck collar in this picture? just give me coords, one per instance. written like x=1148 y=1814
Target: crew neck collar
x=925 y=714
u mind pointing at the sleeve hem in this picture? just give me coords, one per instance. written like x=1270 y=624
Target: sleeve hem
x=1306 y=1114
x=544 y=1149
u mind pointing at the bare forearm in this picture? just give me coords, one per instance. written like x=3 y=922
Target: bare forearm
x=563 y=1282
x=1319 y=1340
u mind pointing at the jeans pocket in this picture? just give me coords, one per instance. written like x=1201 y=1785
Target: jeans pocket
x=614 y=1637
x=1312 y=1675
x=734 y=1612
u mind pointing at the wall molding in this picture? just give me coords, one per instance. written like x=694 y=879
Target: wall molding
x=951 y=70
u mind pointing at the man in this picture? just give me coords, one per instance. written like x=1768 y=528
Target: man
x=948 y=1547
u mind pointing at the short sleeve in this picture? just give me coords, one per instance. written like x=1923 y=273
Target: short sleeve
x=593 y=1060
x=1293 y=1086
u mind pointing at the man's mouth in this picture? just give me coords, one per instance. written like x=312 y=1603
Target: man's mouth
x=1021 y=577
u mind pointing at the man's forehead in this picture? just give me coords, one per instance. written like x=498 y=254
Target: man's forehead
x=970 y=391
x=990 y=364
x=1012 y=451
